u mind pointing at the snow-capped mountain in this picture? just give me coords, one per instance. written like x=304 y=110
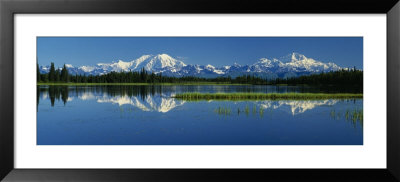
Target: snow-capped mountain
x=157 y=63
x=294 y=64
x=299 y=62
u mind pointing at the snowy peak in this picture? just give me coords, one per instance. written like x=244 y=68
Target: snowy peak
x=298 y=57
x=87 y=68
x=301 y=59
x=135 y=64
x=69 y=66
x=265 y=62
x=123 y=66
x=294 y=64
x=157 y=63
x=293 y=57
x=163 y=61
x=209 y=67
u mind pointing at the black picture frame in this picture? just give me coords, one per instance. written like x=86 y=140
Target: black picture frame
x=8 y=8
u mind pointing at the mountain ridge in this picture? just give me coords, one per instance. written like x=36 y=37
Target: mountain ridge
x=294 y=64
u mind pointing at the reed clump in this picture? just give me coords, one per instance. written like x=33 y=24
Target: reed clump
x=353 y=116
x=223 y=110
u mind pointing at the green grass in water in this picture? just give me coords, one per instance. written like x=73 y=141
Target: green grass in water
x=226 y=110
x=354 y=116
x=265 y=96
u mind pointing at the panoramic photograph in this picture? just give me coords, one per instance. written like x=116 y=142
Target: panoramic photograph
x=199 y=91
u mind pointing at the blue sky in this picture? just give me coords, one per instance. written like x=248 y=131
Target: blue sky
x=217 y=51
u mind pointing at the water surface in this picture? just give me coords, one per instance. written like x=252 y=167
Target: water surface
x=147 y=115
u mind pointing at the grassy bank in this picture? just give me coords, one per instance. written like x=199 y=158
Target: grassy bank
x=265 y=96
x=186 y=83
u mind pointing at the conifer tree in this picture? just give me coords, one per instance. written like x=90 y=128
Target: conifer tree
x=52 y=73
x=57 y=75
x=64 y=74
x=37 y=73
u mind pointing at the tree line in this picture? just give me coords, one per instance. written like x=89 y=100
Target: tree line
x=53 y=75
x=340 y=77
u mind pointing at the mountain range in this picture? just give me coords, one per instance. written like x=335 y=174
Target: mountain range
x=294 y=64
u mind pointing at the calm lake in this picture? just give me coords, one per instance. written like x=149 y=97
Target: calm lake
x=147 y=115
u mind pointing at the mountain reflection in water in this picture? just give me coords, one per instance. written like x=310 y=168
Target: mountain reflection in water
x=158 y=98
